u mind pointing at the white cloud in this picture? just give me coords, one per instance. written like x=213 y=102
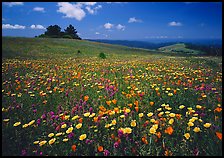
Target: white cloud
x=108 y=25
x=71 y=10
x=94 y=10
x=97 y=33
x=120 y=27
x=9 y=26
x=10 y=4
x=39 y=9
x=37 y=27
x=131 y=20
x=173 y=23
x=87 y=3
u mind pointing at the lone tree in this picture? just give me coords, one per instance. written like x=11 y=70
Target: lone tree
x=53 y=31
x=70 y=30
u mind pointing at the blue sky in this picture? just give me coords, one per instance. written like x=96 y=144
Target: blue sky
x=116 y=20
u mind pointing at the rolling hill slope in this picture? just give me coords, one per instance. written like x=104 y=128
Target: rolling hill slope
x=37 y=48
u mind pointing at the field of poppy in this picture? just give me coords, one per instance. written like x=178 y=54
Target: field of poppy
x=136 y=105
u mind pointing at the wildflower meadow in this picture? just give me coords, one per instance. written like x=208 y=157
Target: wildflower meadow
x=132 y=105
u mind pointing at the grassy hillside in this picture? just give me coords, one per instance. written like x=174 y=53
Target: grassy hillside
x=179 y=48
x=37 y=48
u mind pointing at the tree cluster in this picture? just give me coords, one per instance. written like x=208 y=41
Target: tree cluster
x=55 y=32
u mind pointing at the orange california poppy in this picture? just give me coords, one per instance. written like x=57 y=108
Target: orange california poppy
x=100 y=148
x=219 y=135
x=158 y=134
x=108 y=102
x=178 y=116
x=169 y=130
x=218 y=109
x=136 y=103
x=73 y=147
x=86 y=98
x=136 y=109
x=114 y=101
x=144 y=140
x=80 y=120
x=151 y=103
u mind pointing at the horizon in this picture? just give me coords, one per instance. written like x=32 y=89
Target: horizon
x=116 y=20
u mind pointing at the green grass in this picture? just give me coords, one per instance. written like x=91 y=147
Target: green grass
x=179 y=48
x=30 y=48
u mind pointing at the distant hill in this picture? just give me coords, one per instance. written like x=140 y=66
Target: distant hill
x=180 y=48
x=137 y=44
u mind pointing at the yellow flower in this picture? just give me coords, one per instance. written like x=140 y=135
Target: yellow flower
x=167 y=112
x=122 y=116
x=133 y=123
x=170 y=94
x=50 y=135
x=159 y=109
x=64 y=126
x=31 y=122
x=58 y=134
x=181 y=106
x=5 y=120
x=155 y=126
x=172 y=115
x=168 y=89
x=78 y=125
x=82 y=137
x=67 y=117
x=198 y=106
x=152 y=120
x=207 y=125
x=127 y=130
x=150 y=114
x=114 y=122
x=187 y=135
x=17 y=124
x=86 y=114
x=69 y=130
x=52 y=141
x=75 y=117
x=196 y=129
x=65 y=140
x=127 y=110
x=152 y=130
x=36 y=142
x=190 y=124
x=140 y=115
x=42 y=143
x=92 y=115
x=171 y=121
x=25 y=125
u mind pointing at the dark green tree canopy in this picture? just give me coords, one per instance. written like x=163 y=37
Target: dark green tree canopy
x=55 y=32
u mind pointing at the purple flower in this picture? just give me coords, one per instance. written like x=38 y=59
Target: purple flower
x=51 y=113
x=71 y=135
x=120 y=133
x=202 y=114
x=35 y=110
x=88 y=141
x=116 y=144
x=38 y=121
x=106 y=152
x=23 y=152
x=90 y=110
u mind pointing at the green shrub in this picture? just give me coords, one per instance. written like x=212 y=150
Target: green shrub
x=102 y=55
